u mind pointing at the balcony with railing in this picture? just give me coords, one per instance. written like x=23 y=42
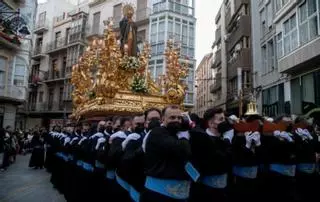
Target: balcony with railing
x=38 y=52
x=41 y=26
x=14 y=93
x=217 y=83
x=217 y=58
x=234 y=94
x=50 y=107
x=180 y=9
x=242 y=60
x=241 y=28
x=57 y=45
x=218 y=35
x=77 y=37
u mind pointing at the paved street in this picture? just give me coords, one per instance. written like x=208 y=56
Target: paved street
x=22 y=184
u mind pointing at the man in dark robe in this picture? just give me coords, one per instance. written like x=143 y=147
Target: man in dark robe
x=211 y=156
x=167 y=151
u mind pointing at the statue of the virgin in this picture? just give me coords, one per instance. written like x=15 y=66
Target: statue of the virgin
x=128 y=32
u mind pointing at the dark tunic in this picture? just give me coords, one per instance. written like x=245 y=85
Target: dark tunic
x=117 y=192
x=276 y=185
x=211 y=155
x=37 y=157
x=132 y=163
x=165 y=158
x=244 y=188
x=307 y=183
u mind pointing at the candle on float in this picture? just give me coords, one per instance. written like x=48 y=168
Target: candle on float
x=100 y=42
x=94 y=43
x=126 y=46
x=88 y=48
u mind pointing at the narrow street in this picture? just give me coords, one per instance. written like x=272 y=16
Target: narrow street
x=23 y=184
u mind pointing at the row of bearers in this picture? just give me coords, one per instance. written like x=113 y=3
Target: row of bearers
x=162 y=157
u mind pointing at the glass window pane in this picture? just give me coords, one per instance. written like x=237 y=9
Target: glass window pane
x=161 y=26
x=303 y=31
x=279 y=49
x=303 y=12
x=154 y=28
x=177 y=28
x=308 y=88
x=313 y=24
x=312 y=7
x=20 y=70
x=170 y=26
x=158 y=70
x=294 y=40
x=293 y=22
x=3 y=62
x=286 y=27
x=286 y=45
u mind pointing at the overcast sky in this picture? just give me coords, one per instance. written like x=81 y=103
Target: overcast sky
x=206 y=11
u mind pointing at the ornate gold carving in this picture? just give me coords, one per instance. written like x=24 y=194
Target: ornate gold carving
x=102 y=86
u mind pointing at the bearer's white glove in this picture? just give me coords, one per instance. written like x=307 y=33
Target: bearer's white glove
x=183 y=134
x=256 y=138
x=132 y=136
x=248 y=136
x=66 y=140
x=286 y=136
x=144 y=141
x=229 y=135
x=276 y=133
x=100 y=141
x=119 y=134
x=307 y=134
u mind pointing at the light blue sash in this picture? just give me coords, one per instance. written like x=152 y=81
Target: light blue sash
x=216 y=181
x=123 y=183
x=308 y=168
x=246 y=172
x=134 y=194
x=110 y=174
x=176 y=189
x=287 y=170
x=98 y=164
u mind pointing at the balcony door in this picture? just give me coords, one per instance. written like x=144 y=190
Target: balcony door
x=96 y=23
x=50 y=99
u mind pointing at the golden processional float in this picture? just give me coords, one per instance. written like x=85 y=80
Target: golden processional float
x=107 y=80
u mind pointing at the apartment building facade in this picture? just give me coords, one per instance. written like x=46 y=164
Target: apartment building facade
x=17 y=19
x=173 y=19
x=59 y=40
x=204 y=79
x=287 y=56
x=233 y=55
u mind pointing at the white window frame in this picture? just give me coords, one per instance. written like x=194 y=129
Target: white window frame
x=290 y=33
x=307 y=21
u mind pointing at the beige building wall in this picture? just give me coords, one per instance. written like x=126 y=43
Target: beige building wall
x=204 y=79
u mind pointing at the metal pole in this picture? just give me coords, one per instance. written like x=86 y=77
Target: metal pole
x=240 y=104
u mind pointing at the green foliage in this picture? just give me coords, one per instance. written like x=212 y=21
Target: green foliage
x=139 y=85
